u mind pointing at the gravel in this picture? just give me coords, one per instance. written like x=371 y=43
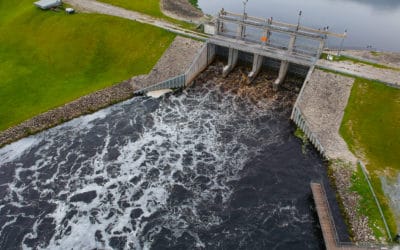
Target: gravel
x=341 y=174
x=182 y=10
x=323 y=103
x=175 y=61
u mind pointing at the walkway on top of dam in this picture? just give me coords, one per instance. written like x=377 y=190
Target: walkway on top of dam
x=269 y=38
x=385 y=74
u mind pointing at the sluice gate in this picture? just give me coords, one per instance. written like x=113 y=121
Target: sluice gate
x=268 y=41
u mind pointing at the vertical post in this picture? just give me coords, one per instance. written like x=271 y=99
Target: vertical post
x=241 y=29
x=292 y=43
x=298 y=20
x=217 y=25
x=321 y=47
x=282 y=74
x=210 y=53
x=266 y=32
x=232 y=61
x=257 y=63
x=241 y=32
x=341 y=43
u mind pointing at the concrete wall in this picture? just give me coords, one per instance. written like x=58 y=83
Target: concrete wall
x=247 y=59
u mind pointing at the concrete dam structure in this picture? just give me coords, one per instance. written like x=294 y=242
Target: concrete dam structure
x=263 y=42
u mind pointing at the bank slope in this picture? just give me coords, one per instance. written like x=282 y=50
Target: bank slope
x=371 y=129
x=49 y=58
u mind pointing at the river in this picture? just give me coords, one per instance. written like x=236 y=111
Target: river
x=211 y=167
x=373 y=23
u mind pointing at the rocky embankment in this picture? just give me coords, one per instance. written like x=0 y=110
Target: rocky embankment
x=182 y=10
x=175 y=61
x=323 y=101
x=341 y=173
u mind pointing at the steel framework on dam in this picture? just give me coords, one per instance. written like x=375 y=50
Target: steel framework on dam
x=264 y=38
x=289 y=43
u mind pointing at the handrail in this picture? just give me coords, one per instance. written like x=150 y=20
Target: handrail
x=364 y=170
x=339 y=244
x=329 y=213
x=288 y=25
x=203 y=58
x=174 y=82
x=301 y=122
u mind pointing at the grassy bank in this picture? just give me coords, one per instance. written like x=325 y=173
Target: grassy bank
x=371 y=129
x=50 y=58
x=369 y=208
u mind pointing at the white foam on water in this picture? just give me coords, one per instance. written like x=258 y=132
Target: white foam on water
x=184 y=140
x=158 y=93
x=16 y=149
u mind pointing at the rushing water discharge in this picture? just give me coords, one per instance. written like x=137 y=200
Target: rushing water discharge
x=207 y=168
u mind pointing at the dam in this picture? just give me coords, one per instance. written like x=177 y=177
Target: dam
x=288 y=45
x=209 y=167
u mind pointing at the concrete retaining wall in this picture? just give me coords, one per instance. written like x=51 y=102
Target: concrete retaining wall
x=204 y=57
x=247 y=58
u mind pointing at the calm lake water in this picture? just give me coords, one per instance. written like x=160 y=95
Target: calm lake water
x=373 y=23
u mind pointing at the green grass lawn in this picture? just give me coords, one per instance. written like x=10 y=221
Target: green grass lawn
x=371 y=128
x=368 y=207
x=49 y=58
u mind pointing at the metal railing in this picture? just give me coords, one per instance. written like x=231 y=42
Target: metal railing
x=200 y=63
x=331 y=220
x=203 y=58
x=339 y=244
x=270 y=33
x=302 y=123
x=175 y=82
x=364 y=170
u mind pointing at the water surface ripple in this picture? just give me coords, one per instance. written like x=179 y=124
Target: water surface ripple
x=203 y=169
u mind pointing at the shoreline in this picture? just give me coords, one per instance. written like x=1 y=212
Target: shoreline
x=181 y=50
x=340 y=174
x=182 y=10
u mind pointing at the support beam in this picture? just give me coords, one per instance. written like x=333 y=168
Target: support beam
x=257 y=63
x=241 y=29
x=292 y=43
x=282 y=74
x=320 y=48
x=232 y=61
x=210 y=53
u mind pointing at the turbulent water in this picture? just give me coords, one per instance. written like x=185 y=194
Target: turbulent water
x=207 y=168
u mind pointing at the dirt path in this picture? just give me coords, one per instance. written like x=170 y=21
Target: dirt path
x=392 y=77
x=391 y=59
x=93 y=6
